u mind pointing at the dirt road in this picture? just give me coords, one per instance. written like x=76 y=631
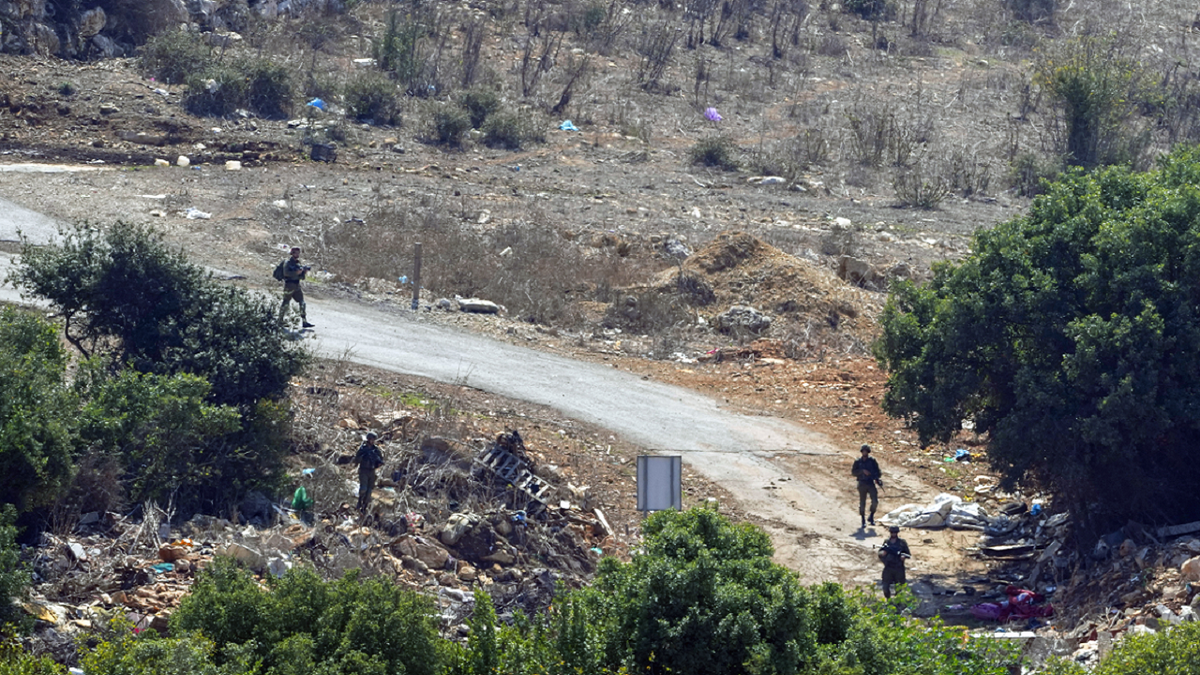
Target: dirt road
x=789 y=478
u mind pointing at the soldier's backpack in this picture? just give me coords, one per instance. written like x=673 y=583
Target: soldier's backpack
x=278 y=273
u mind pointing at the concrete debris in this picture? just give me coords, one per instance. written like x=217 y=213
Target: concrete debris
x=514 y=548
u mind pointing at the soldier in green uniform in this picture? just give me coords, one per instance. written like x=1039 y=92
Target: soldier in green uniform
x=293 y=272
x=866 y=470
x=368 y=458
x=893 y=553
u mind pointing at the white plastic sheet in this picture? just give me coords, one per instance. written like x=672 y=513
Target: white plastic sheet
x=945 y=510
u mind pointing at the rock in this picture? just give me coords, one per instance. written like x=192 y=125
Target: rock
x=447 y=579
x=168 y=553
x=243 y=554
x=444 y=303
x=183 y=566
x=428 y=553
x=478 y=306
x=109 y=109
x=233 y=165
x=741 y=318
x=1190 y=570
x=456 y=526
x=256 y=508
x=278 y=567
x=161 y=162
x=183 y=161
x=323 y=152
x=501 y=557
x=92 y=22
x=855 y=271
x=1126 y=548
x=466 y=572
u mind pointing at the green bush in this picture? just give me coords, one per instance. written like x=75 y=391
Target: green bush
x=479 y=104
x=36 y=439
x=1175 y=651
x=715 y=151
x=269 y=90
x=348 y=626
x=450 y=125
x=510 y=130
x=1095 y=85
x=124 y=293
x=161 y=430
x=14 y=578
x=14 y=660
x=372 y=98
x=175 y=56
x=703 y=597
x=215 y=91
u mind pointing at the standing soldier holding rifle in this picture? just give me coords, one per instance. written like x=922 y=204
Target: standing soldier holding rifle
x=893 y=553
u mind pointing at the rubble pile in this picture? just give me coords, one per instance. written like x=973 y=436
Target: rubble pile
x=444 y=523
x=1134 y=580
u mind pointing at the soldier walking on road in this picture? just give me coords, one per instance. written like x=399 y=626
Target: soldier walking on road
x=866 y=470
x=292 y=272
x=368 y=458
x=893 y=553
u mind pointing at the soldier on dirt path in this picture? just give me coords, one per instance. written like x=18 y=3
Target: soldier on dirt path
x=866 y=470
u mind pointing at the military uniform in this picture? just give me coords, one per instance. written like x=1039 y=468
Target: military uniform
x=866 y=470
x=368 y=458
x=892 y=553
x=293 y=272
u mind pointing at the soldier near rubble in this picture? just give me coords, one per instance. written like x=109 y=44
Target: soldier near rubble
x=893 y=553
x=866 y=470
x=368 y=458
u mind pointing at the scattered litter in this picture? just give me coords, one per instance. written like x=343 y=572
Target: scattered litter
x=316 y=103
x=567 y=125
x=194 y=213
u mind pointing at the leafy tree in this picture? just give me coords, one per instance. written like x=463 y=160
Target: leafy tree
x=124 y=292
x=36 y=442
x=1071 y=339
x=703 y=597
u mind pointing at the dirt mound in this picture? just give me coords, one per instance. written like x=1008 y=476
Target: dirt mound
x=810 y=303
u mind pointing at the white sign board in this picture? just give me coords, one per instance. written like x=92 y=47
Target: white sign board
x=659 y=484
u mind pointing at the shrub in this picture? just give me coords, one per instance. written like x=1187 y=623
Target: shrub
x=1028 y=175
x=920 y=186
x=269 y=90
x=715 y=151
x=372 y=99
x=216 y=91
x=160 y=428
x=174 y=56
x=35 y=412
x=14 y=578
x=479 y=104
x=1094 y=85
x=347 y=626
x=450 y=124
x=703 y=597
x=124 y=293
x=510 y=130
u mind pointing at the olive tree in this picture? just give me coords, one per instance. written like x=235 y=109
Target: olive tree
x=1070 y=339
